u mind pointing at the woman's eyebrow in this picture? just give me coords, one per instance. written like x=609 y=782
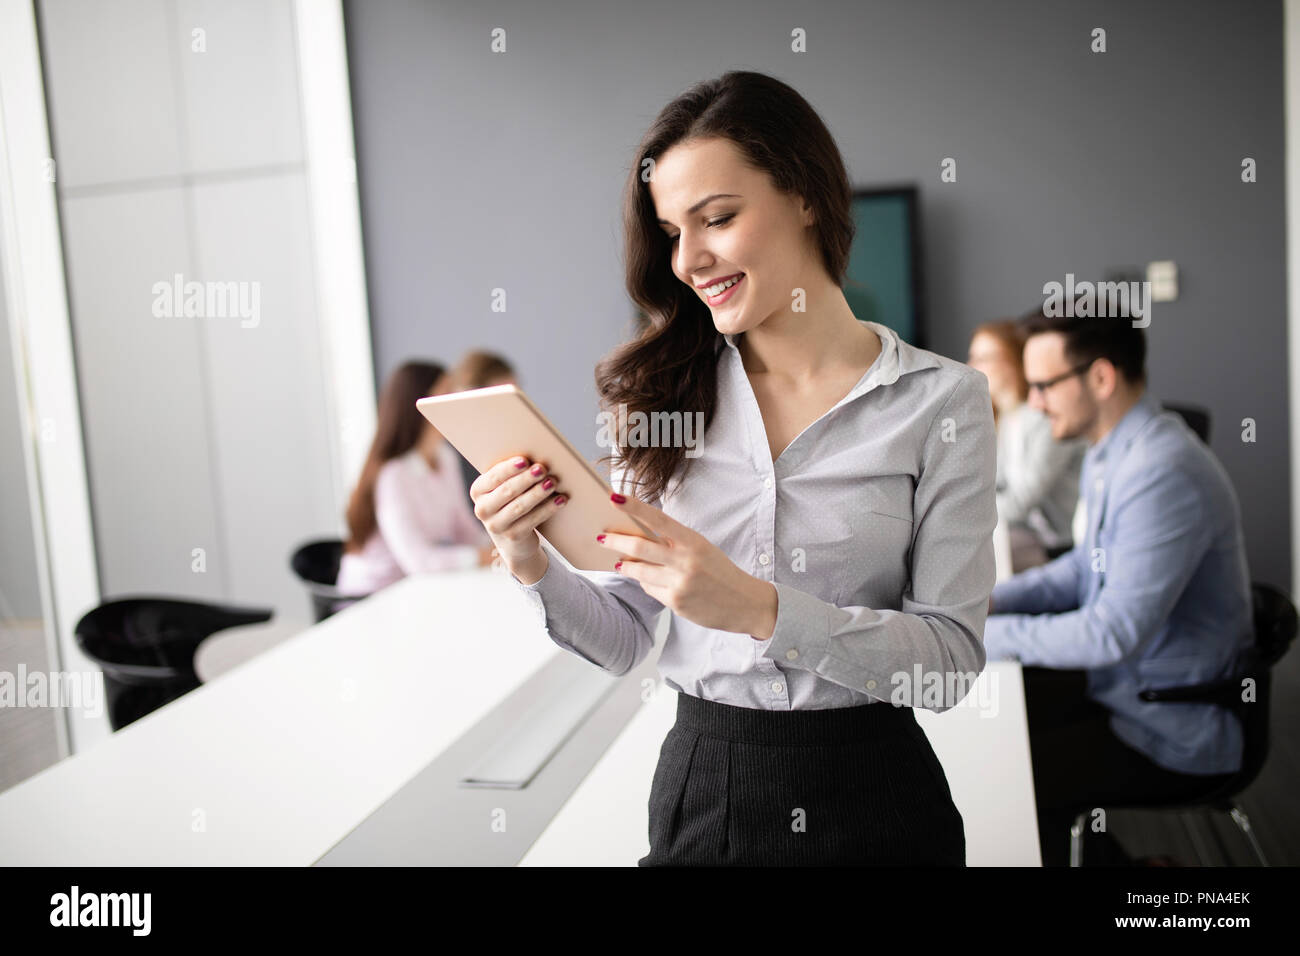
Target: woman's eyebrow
x=701 y=204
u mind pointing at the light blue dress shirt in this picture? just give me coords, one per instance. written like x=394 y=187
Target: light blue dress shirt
x=874 y=525
x=1157 y=595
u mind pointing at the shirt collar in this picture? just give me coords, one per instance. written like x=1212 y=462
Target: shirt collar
x=1126 y=428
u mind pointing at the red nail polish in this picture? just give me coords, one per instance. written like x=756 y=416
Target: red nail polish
x=600 y=538
x=520 y=462
x=617 y=498
x=617 y=565
x=548 y=484
x=560 y=499
x=536 y=469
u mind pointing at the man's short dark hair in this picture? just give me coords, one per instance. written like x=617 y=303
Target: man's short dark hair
x=1087 y=339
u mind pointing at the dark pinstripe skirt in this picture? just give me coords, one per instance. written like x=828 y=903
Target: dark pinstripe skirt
x=737 y=786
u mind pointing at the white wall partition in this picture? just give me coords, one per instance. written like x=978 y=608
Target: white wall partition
x=199 y=142
x=336 y=231
x=42 y=352
x=191 y=442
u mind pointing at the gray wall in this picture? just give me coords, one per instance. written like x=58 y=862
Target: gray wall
x=480 y=171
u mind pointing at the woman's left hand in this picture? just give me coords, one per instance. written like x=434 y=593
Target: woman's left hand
x=686 y=572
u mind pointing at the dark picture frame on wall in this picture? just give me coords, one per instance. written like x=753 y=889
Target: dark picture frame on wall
x=884 y=282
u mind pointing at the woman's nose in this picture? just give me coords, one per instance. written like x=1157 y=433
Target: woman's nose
x=691 y=257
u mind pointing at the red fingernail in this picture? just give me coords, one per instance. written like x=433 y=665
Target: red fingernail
x=536 y=469
x=548 y=484
x=560 y=499
x=617 y=565
x=617 y=498
x=600 y=537
x=520 y=462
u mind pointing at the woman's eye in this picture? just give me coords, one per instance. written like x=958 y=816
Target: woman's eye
x=716 y=222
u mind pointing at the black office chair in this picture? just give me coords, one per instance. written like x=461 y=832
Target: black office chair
x=145 y=647
x=1275 y=628
x=316 y=564
x=1197 y=418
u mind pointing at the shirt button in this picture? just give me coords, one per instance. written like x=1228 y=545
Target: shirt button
x=791 y=654
x=871 y=685
x=767 y=482
x=776 y=686
x=763 y=559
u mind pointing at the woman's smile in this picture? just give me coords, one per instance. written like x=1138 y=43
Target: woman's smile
x=725 y=294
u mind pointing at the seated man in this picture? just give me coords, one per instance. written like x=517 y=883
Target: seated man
x=1157 y=594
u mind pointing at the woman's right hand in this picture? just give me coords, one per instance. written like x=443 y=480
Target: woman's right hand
x=510 y=500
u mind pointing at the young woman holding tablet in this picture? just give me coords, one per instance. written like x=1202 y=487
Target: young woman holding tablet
x=831 y=543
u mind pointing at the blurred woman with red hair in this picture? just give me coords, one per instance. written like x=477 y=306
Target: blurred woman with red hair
x=1038 y=477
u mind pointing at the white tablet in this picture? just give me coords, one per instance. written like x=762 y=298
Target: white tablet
x=488 y=425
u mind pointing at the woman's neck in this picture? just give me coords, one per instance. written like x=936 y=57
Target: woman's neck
x=430 y=449
x=802 y=347
x=1008 y=404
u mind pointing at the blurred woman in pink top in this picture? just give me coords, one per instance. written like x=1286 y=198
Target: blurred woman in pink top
x=410 y=512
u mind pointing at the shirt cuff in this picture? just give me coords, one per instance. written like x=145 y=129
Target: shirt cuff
x=554 y=586
x=801 y=633
x=536 y=585
x=998 y=645
x=533 y=596
x=1007 y=595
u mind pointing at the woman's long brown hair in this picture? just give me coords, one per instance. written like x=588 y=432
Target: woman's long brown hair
x=671 y=366
x=400 y=424
x=397 y=431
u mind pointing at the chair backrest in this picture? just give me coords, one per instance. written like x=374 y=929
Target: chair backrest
x=147 y=635
x=1197 y=418
x=317 y=562
x=317 y=566
x=1276 y=622
x=1275 y=629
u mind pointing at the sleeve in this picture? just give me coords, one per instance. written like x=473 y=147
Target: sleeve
x=1048 y=588
x=938 y=631
x=397 y=512
x=602 y=616
x=1046 y=461
x=1157 y=539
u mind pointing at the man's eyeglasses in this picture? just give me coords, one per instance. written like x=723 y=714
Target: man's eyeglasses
x=1042 y=387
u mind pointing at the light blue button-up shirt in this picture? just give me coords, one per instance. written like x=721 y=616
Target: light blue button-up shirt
x=1157 y=595
x=874 y=525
